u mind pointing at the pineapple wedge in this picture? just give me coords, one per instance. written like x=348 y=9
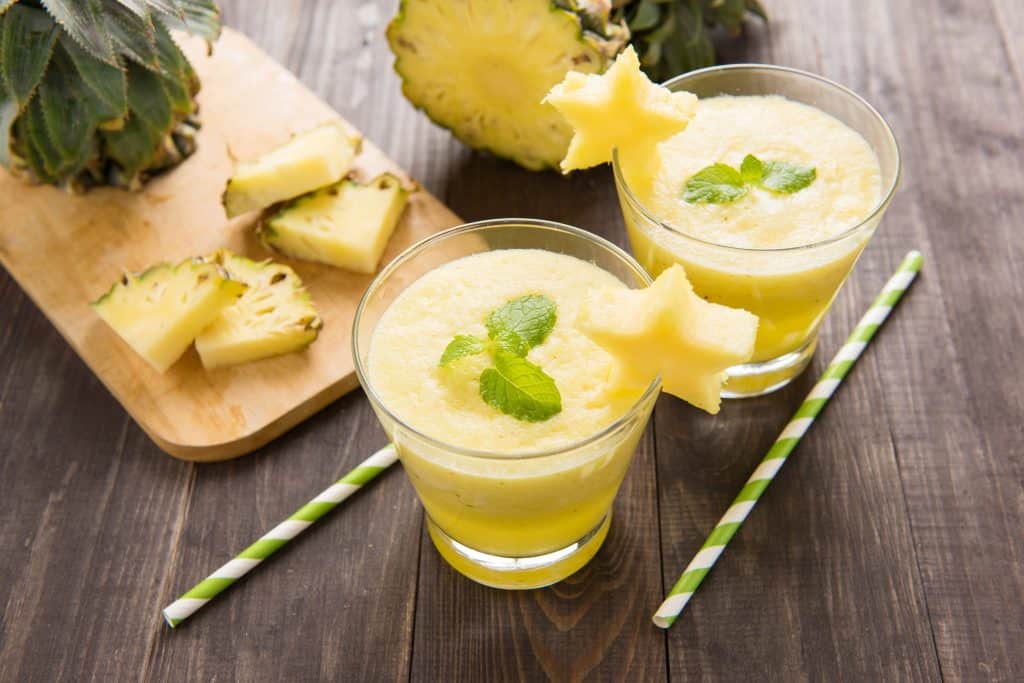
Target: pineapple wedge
x=274 y=316
x=345 y=225
x=667 y=330
x=313 y=159
x=160 y=311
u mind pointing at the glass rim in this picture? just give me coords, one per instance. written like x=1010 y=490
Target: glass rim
x=875 y=212
x=477 y=226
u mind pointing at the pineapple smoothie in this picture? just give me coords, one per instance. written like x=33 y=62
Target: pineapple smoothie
x=517 y=485
x=789 y=292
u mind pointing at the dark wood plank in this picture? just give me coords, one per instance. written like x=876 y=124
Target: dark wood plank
x=952 y=385
x=822 y=581
x=88 y=517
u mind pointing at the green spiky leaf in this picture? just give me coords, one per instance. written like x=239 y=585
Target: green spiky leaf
x=133 y=36
x=70 y=123
x=179 y=78
x=83 y=21
x=8 y=113
x=104 y=85
x=39 y=144
x=197 y=17
x=27 y=37
x=136 y=146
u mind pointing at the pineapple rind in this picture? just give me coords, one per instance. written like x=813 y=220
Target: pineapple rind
x=307 y=161
x=346 y=225
x=275 y=315
x=160 y=311
x=501 y=110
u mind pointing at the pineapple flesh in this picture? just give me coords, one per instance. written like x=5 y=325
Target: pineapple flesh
x=160 y=311
x=98 y=92
x=480 y=68
x=309 y=160
x=275 y=315
x=345 y=225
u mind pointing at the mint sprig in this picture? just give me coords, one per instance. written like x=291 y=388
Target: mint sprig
x=720 y=183
x=515 y=386
x=461 y=346
x=715 y=184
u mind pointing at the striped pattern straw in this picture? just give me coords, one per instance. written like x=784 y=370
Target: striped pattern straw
x=182 y=608
x=730 y=522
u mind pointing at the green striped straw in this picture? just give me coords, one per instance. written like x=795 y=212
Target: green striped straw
x=182 y=608
x=772 y=462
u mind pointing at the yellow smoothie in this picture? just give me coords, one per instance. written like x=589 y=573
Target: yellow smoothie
x=790 y=291
x=479 y=481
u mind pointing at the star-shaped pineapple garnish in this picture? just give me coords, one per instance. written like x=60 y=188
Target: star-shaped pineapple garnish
x=619 y=108
x=667 y=330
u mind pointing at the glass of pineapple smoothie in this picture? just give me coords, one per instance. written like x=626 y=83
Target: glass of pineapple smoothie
x=781 y=255
x=517 y=489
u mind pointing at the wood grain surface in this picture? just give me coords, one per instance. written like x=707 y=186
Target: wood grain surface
x=889 y=548
x=190 y=412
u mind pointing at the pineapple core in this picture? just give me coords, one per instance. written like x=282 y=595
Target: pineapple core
x=620 y=109
x=317 y=157
x=667 y=330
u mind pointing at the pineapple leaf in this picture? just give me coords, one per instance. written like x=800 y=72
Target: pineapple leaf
x=27 y=36
x=133 y=37
x=8 y=113
x=83 y=21
x=179 y=78
x=40 y=146
x=27 y=149
x=66 y=113
x=139 y=142
x=197 y=17
x=104 y=85
x=139 y=8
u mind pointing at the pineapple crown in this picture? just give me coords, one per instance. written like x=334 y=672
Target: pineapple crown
x=674 y=36
x=95 y=91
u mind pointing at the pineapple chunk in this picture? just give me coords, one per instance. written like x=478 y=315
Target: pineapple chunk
x=274 y=316
x=318 y=157
x=618 y=109
x=667 y=329
x=160 y=311
x=345 y=225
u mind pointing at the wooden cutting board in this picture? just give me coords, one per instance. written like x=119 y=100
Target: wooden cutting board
x=66 y=250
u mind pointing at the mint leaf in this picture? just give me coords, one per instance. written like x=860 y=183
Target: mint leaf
x=462 y=345
x=751 y=169
x=517 y=387
x=522 y=323
x=786 y=178
x=714 y=184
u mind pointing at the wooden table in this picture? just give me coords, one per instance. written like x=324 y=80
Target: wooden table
x=890 y=548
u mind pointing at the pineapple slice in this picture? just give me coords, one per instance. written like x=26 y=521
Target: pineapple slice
x=318 y=157
x=481 y=67
x=667 y=329
x=160 y=311
x=345 y=225
x=274 y=316
x=619 y=109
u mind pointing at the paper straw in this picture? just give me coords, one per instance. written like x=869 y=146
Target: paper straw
x=182 y=608
x=730 y=522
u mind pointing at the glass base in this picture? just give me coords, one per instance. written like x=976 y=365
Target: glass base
x=519 y=573
x=757 y=379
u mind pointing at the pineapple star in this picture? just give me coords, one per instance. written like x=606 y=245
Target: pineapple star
x=668 y=330
x=620 y=108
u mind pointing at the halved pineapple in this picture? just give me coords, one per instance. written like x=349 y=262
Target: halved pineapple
x=160 y=311
x=317 y=157
x=274 y=316
x=345 y=225
x=481 y=67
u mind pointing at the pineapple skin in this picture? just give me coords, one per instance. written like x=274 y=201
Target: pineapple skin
x=244 y=332
x=591 y=42
x=161 y=331
x=307 y=161
x=346 y=225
